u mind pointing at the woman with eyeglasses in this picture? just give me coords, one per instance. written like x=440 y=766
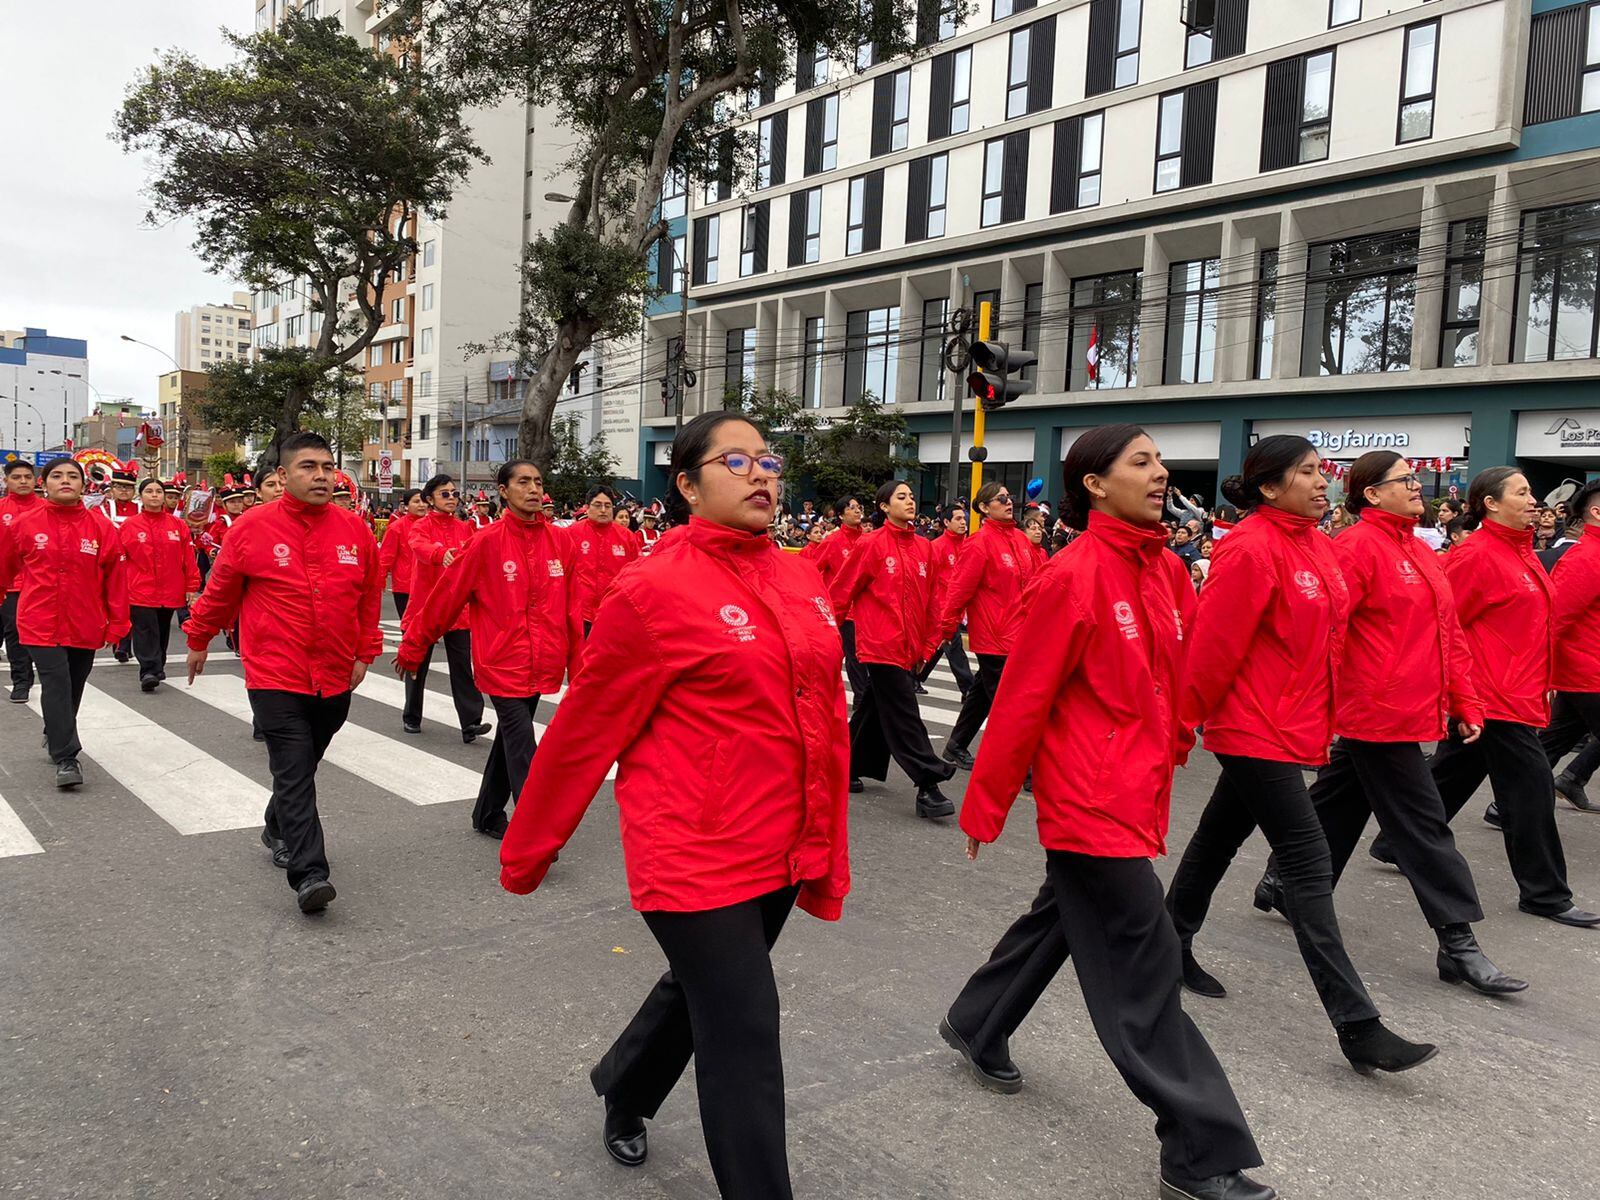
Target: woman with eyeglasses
x=717 y=662
x=437 y=542
x=986 y=586
x=1266 y=647
x=1405 y=679
x=605 y=545
x=887 y=589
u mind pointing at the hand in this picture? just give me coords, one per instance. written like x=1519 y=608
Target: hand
x=973 y=846
x=449 y=557
x=197 y=663
x=357 y=674
x=1469 y=732
x=401 y=671
x=190 y=597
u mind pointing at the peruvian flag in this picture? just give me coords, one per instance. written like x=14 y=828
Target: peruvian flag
x=1092 y=358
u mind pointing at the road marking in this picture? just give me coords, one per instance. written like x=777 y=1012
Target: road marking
x=406 y=771
x=14 y=836
x=186 y=787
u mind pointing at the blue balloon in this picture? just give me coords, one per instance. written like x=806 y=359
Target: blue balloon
x=1035 y=486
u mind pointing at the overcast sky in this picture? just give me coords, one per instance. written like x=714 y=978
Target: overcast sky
x=75 y=255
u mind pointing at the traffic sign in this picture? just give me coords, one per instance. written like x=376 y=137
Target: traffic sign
x=385 y=472
x=1455 y=492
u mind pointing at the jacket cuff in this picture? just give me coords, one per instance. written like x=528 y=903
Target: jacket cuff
x=523 y=880
x=820 y=906
x=977 y=823
x=1472 y=716
x=196 y=642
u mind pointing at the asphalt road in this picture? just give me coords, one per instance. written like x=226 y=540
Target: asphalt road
x=172 y=1027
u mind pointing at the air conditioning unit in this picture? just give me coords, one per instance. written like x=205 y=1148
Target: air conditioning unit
x=1200 y=15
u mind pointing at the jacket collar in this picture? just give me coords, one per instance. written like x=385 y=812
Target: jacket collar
x=1288 y=522
x=1591 y=531
x=1133 y=541
x=1000 y=522
x=303 y=511
x=852 y=532
x=893 y=530
x=722 y=540
x=1520 y=539
x=1395 y=526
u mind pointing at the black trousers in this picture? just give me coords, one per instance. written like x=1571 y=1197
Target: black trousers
x=955 y=654
x=152 y=633
x=886 y=722
x=463 y=690
x=1586 y=761
x=718 y=1002
x=1392 y=781
x=510 y=756
x=21 y=665
x=1255 y=792
x=298 y=729
x=854 y=671
x=1573 y=717
x=400 y=601
x=63 y=672
x=978 y=701
x=1518 y=769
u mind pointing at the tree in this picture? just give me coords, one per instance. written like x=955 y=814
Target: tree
x=574 y=467
x=305 y=162
x=645 y=87
x=245 y=399
x=222 y=464
x=340 y=415
x=830 y=457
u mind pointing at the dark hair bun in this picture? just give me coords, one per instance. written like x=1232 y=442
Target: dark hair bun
x=1234 y=492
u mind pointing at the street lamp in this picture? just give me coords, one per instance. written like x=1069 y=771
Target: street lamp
x=17 y=402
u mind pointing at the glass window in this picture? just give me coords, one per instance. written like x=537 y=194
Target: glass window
x=1103 y=332
x=1089 y=160
x=1557 y=260
x=819 y=66
x=993 y=175
x=900 y=127
x=429 y=253
x=713 y=245
x=1192 y=321
x=1342 y=12
x=1590 y=99
x=397 y=311
x=961 y=91
x=811 y=367
x=1266 y=313
x=830 y=132
x=949 y=18
x=938 y=193
x=680 y=263
x=1017 y=76
x=855 y=229
x=764 y=152
x=1032 y=322
x=1197 y=48
x=1316 y=108
x=425 y=389
x=813 y=240
x=1463 y=293
x=1360 y=296
x=740 y=362
x=375 y=354
x=930 y=352
x=427 y=297
x=747 y=242
x=1127 y=59
x=425 y=346
x=1169 y=142
x=870 y=353
x=674 y=194
x=1417 y=71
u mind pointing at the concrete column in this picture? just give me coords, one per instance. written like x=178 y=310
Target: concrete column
x=1236 y=320
x=766 y=345
x=833 y=322
x=1153 y=313
x=1047 y=462
x=1053 y=348
x=1497 y=315
x=1290 y=315
x=1231 y=449
x=1429 y=307
x=908 y=345
x=789 y=338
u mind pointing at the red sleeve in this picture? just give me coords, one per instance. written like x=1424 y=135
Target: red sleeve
x=10 y=562
x=574 y=615
x=218 y=606
x=389 y=549
x=191 y=565
x=370 y=633
x=114 y=587
x=1577 y=591
x=1465 y=703
x=624 y=675
x=1231 y=606
x=961 y=587
x=439 y=608
x=853 y=577
x=1057 y=630
x=424 y=547
x=1183 y=736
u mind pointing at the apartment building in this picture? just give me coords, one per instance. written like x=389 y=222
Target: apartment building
x=209 y=334
x=1370 y=222
x=44 y=389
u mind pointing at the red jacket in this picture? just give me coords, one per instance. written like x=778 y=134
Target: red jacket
x=1505 y=602
x=526 y=633
x=64 y=560
x=394 y=552
x=12 y=507
x=602 y=550
x=432 y=535
x=1092 y=707
x=887 y=590
x=835 y=553
x=1406 y=668
x=304 y=584
x=987 y=585
x=1039 y=553
x=160 y=562
x=1268 y=641
x=1577 y=616
x=947 y=548
x=715 y=664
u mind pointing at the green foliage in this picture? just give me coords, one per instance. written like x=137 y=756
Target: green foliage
x=245 y=399
x=574 y=467
x=339 y=412
x=222 y=464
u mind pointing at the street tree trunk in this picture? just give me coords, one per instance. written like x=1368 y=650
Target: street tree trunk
x=572 y=338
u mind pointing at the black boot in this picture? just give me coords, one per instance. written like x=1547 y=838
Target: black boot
x=1005 y=1078
x=1371 y=1047
x=625 y=1137
x=932 y=803
x=1235 y=1185
x=1269 y=892
x=1462 y=961
x=1566 y=784
x=1491 y=816
x=1200 y=981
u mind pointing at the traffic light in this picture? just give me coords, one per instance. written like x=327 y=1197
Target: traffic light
x=993 y=364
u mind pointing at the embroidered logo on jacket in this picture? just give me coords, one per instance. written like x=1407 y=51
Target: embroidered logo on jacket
x=1005 y=557
x=281 y=553
x=584 y=545
x=824 y=610
x=88 y=546
x=619 y=552
x=172 y=536
x=1310 y=586
x=1527 y=582
x=41 y=540
x=348 y=556
x=555 y=568
x=1177 y=619
x=510 y=568
x=1123 y=612
x=922 y=569
x=738 y=622
x=142 y=537
x=890 y=564
x=1408 y=572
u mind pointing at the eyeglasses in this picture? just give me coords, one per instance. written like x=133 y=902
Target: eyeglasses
x=1002 y=498
x=739 y=463
x=444 y=495
x=1410 y=481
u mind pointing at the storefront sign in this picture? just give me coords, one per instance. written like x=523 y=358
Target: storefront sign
x=1431 y=436
x=1570 y=433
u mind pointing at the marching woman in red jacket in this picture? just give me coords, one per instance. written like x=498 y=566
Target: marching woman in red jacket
x=438 y=539
x=1406 y=673
x=604 y=546
x=1507 y=604
x=163 y=577
x=1267 y=643
x=986 y=585
x=834 y=556
x=515 y=581
x=887 y=589
x=947 y=549
x=716 y=664
x=1576 y=578
x=64 y=561
x=1092 y=708
x=394 y=552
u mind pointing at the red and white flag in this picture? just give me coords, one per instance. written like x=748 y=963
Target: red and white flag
x=1092 y=358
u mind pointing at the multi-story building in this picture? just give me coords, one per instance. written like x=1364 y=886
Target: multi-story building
x=1371 y=223
x=112 y=426
x=44 y=388
x=209 y=334
x=188 y=442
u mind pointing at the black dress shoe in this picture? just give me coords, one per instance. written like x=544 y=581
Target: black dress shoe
x=960 y=756
x=1462 y=960
x=856 y=785
x=1370 y=1046
x=149 y=683
x=1577 y=917
x=19 y=693
x=258 y=735
x=495 y=826
x=411 y=726
x=1200 y=981
x=625 y=1138
x=472 y=732
x=1235 y=1185
x=1569 y=787
x=279 y=848
x=1005 y=1079
x=313 y=894
x=919 y=689
x=1027 y=784
x=68 y=773
x=1269 y=893
x=120 y=656
x=1491 y=816
x=1380 y=851
x=932 y=803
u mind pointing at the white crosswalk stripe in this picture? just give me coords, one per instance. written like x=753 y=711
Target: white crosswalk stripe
x=14 y=836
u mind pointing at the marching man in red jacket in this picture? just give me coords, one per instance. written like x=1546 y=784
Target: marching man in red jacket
x=604 y=547
x=163 y=577
x=302 y=577
x=438 y=539
x=832 y=559
x=515 y=580
x=64 y=561
x=1577 y=635
x=19 y=498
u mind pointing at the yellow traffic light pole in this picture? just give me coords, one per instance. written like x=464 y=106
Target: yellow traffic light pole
x=985 y=315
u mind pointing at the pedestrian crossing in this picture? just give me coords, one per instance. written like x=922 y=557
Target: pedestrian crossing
x=167 y=753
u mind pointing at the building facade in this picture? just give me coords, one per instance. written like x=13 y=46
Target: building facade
x=188 y=441
x=1371 y=223
x=112 y=426
x=44 y=388
x=208 y=334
